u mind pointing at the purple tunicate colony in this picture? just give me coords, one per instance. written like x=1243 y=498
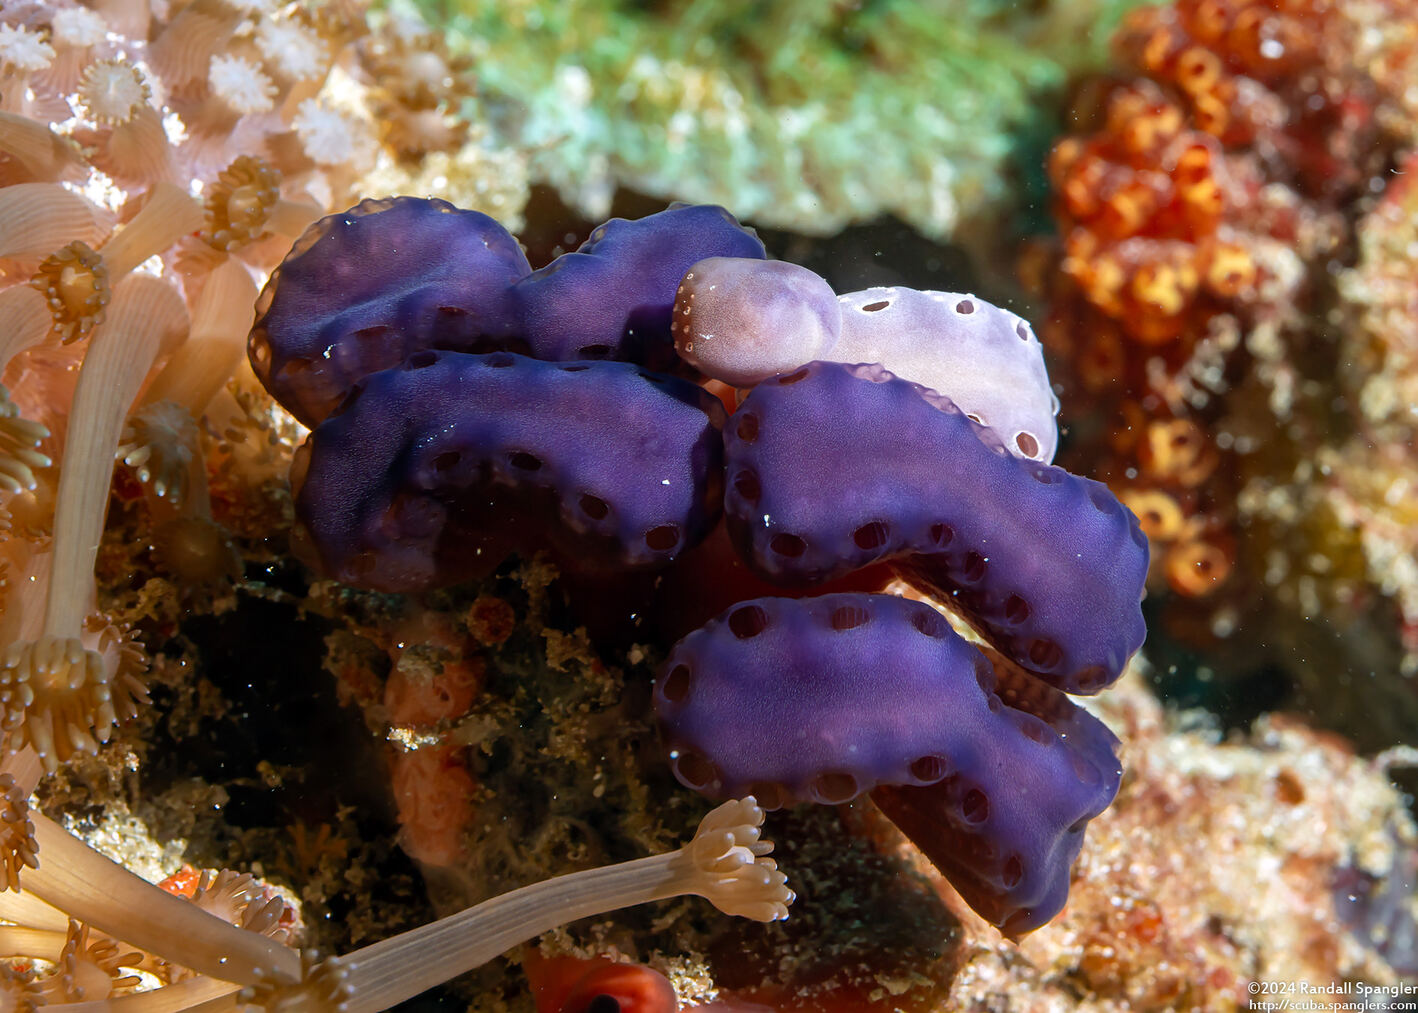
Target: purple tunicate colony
x=921 y=443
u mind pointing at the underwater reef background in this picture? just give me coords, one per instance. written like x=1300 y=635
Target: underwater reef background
x=1207 y=210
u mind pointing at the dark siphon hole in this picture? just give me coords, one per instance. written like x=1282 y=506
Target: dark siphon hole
x=594 y=507
x=675 y=688
x=695 y=771
x=929 y=769
x=793 y=377
x=747 y=428
x=873 y=307
x=421 y=359
x=1082 y=769
x=295 y=366
x=1028 y=446
x=769 y=795
x=1013 y=873
x=746 y=485
x=929 y=622
x=447 y=461
x=1016 y=609
x=1022 y=329
x=1045 y=654
x=594 y=351
x=974 y=566
x=603 y=1003
x=849 y=617
x=964 y=306
x=523 y=461
x=574 y=369
x=1035 y=729
x=1103 y=501
x=748 y=621
x=975 y=807
x=870 y=536
x=787 y=545
x=662 y=538
x=942 y=535
x=347 y=402
x=834 y=787
x=1090 y=679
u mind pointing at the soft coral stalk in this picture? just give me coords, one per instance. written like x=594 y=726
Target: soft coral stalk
x=24 y=321
x=38 y=218
x=55 y=693
x=725 y=863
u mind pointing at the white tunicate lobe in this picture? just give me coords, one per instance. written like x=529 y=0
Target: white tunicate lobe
x=741 y=320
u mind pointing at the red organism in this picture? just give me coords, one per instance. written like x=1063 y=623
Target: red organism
x=598 y=985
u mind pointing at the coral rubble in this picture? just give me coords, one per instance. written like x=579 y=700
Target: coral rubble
x=768 y=110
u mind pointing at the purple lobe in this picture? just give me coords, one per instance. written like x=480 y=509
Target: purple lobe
x=819 y=699
x=432 y=465
x=365 y=288
x=833 y=467
x=612 y=297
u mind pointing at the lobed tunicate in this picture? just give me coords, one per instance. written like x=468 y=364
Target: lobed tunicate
x=981 y=356
x=432 y=471
x=831 y=468
x=612 y=297
x=364 y=289
x=822 y=699
x=742 y=322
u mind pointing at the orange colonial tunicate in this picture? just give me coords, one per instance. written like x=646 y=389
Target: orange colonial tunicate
x=1101 y=361
x=1143 y=124
x=1159 y=514
x=1198 y=70
x=433 y=791
x=1204 y=19
x=1196 y=567
x=1177 y=450
x=427 y=694
x=1230 y=270
x=1164 y=288
x=1128 y=208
